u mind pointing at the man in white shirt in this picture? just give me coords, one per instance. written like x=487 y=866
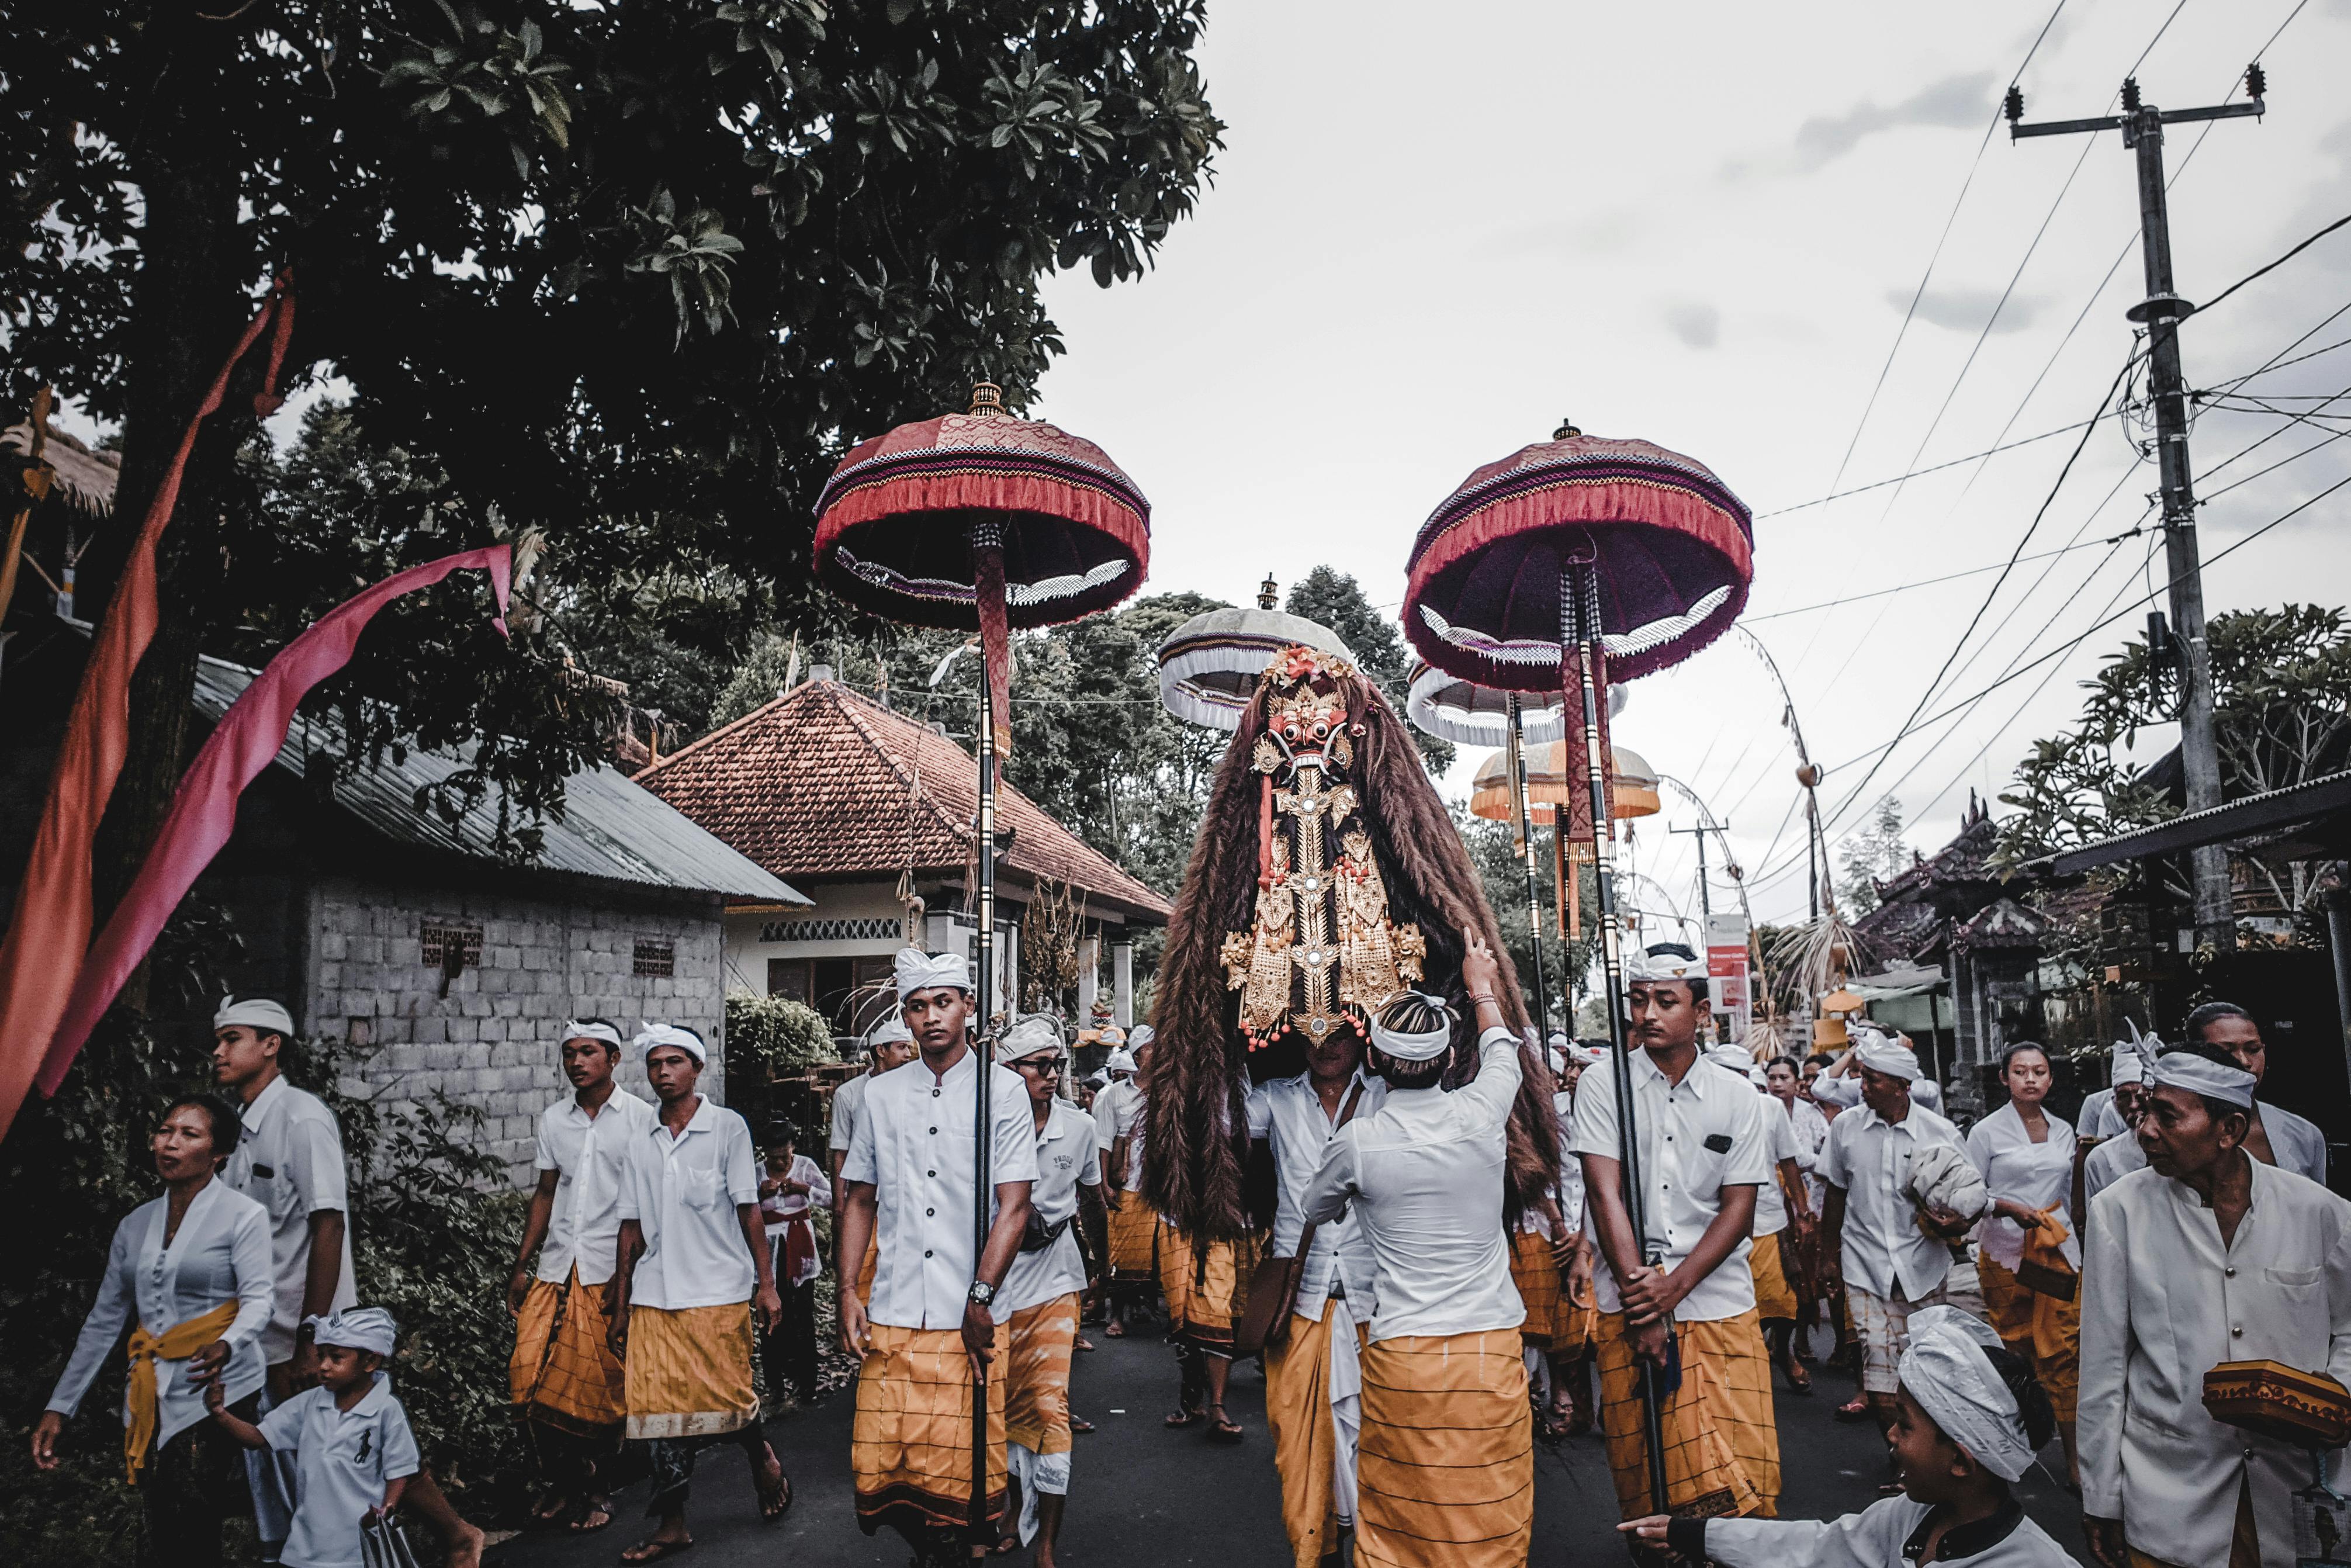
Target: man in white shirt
x=929 y=1336
x=1682 y=1297
x=1783 y=1237
x=890 y=1045
x=1839 y=1088
x=1446 y=1465
x=1312 y=1376
x=1042 y=1288
x=290 y=1159
x=1134 y=1225
x=565 y=1379
x=693 y=1272
x=2207 y=1256
x=2275 y=1136
x=1871 y=1241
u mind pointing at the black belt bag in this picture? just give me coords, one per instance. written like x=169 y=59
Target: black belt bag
x=1036 y=1235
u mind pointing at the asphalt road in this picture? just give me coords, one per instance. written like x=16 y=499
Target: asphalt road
x=1143 y=1497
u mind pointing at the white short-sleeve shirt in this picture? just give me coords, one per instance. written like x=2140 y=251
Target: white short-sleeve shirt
x=847 y=1102
x=683 y=1192
x=343 y=1460
x=1697 y=1137
x=1288 y=1115
x=1885 y=1253
x=1771 y=1203
x=1068 y=1157
x=916 y=1148
x=590 y=1156
x=289 y=1160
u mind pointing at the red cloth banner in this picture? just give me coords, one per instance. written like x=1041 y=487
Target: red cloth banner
x=204 y=811
x=51 y=925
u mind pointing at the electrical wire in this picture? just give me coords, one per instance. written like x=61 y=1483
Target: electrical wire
x=2273 y=267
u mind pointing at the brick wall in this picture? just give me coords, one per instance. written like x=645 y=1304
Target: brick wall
x=491 y=1042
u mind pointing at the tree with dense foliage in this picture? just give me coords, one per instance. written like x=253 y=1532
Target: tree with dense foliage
x=1870 y=856
x=634 y=275
x=2281 y=701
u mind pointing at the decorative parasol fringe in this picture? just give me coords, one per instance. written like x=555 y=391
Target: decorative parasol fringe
x=983 y=487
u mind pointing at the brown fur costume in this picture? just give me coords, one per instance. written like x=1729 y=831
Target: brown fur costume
x=1200 y=1066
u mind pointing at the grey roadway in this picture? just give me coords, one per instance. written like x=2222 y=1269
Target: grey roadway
x=1143 y=1497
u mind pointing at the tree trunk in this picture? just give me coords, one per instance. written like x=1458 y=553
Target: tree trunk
x=191 y=297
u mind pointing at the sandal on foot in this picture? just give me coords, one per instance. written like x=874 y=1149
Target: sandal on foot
x=775 y=1501
x=1223 y=1428
x=1188 y=1416
x=1080 y=1424
x=651 y=1551
x=596 y=1516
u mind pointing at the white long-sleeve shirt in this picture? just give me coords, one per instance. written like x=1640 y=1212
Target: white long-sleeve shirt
x=2299 y=1146
x=2035 y=1175
x=2164 y=1300
x=220 y=1254
x=1288 y=1115
x=1880 y=1537
x=1423 y=1177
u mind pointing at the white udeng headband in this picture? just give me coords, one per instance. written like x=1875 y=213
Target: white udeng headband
x=1642 y=965
x=260 y=1014
x=655 y=1035
x=597 y=1030
x=2185 y=1069
x=356 y=1328
x=1946 y=1372
x=919 y=971
x=1416 y=1047
x=889 y=1032
x=1887 y=1056
x=1027 y=1038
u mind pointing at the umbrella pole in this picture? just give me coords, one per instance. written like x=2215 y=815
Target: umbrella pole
x=1527 y=852
x=1579 y=636
x=987 y=576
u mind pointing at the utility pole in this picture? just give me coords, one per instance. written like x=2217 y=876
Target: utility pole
x=2162 y=312
x=1705 y=904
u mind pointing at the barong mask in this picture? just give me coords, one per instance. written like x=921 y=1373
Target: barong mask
x=1322 y=951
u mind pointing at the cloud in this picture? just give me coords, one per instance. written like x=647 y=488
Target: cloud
x=1967 y=309
x=1955 y=101
x=1695 y=322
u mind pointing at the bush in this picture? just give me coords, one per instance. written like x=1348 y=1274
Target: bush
x=782 y=1036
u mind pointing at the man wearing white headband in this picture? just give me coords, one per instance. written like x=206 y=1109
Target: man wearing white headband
x=1312 y=1378
x=932 y=1321
x=2206 y=1255
x=1971 y=1419
x=2109 y=1113
x=1783 y=1080
x=1444 y=1381
x=1685 y=1293
x=1044 y=1288
x=1840 y=1086
x=2275 y=1136
x=693 y=1278
x=1132 y=1226
x=290 y=1159
x=1774 y=1249
x=891 y=1045
x=1872 y=1240
x=565 y=1380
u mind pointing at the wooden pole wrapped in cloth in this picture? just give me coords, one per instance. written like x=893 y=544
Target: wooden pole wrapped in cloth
x=1326 y=880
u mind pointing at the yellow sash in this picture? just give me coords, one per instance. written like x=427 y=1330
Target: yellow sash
x=173 y=1345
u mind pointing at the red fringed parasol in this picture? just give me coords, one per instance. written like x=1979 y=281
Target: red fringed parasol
x=981 y=521
x=1543 y=572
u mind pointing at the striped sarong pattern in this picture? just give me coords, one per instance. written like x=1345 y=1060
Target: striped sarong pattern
x=1206 y=1289
x=1535 y=1272
x=1133 y=1231
x=910 y=1445
x=1774 y=1296
x=563 y=1373
x=1447 y=1465
x=689 y=1371
x=1305 y=1437
x=1722 y=1449
x=1037 y=1374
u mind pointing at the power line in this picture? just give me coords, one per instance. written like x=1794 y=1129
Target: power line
x=1931 y=581
x=1918 y=473
x=2273 y=267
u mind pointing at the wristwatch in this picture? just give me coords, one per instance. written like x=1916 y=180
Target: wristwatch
x=982 y=1292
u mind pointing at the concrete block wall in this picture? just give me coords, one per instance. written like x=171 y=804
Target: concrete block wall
x=492 y=1042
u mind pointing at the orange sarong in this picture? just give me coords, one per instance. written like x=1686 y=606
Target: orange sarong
x=563 y=1373
x=1305 y=1436
x=1535 y=1272
x=1722 y=1449
x=2043 y=1331
x=1133 y=1231
x=689 y=1371
x=1448 y=1462
x=1206 y=1288
x=1775 y=1298
x=1037 y=1374
x=910 y=1446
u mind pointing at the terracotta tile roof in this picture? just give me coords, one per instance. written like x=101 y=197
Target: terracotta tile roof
x=823 y=783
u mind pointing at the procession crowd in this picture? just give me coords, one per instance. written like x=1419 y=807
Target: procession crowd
x=1420 y=1334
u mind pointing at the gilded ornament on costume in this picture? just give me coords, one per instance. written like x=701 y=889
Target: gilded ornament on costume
x=1321 y=951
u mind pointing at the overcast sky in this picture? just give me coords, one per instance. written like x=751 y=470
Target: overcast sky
x=1436 y=231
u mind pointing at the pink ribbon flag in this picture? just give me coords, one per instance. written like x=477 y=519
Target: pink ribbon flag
x=204 y=811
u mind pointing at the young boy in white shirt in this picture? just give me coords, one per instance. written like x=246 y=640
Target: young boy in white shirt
x=353 y=1451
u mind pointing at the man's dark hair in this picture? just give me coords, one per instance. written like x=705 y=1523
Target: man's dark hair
x=781 y=1133
x=1787 y=1061
x=2220 y=1056
x=610 y=1048
x=2208 y=1015
x=227 y=1126
x=1413 y=1014
x=1820 y=1059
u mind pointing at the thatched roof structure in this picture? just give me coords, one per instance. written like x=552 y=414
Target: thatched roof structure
x=86 y=478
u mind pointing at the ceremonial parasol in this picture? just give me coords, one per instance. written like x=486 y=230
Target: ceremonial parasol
x=1553 y=780
x=1209 y=666
x=1540 y=573
x=981 y=521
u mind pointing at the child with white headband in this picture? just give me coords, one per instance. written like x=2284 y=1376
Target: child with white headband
x=1970 y=1418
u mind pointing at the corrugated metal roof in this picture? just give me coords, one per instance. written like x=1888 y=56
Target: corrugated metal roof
x=612 y=829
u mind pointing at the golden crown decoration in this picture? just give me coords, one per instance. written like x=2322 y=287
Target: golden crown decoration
x=1322 y=951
